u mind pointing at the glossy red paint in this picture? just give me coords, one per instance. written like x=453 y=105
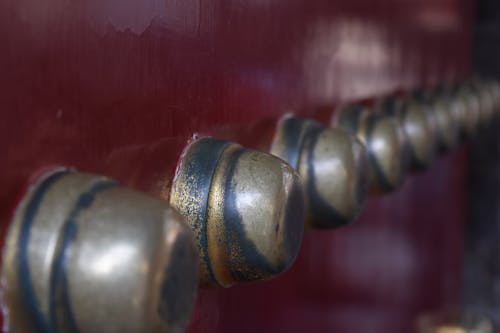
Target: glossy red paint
x=82 y=81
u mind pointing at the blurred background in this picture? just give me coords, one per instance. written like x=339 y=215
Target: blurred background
x=481 y=291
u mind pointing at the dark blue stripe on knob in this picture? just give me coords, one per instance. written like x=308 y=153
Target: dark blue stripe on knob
x=24 y=270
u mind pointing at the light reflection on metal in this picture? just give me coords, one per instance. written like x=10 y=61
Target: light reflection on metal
x=333 y=166
x=86 y=255
x=418 y=124
x=116 y=256
x=246 y=209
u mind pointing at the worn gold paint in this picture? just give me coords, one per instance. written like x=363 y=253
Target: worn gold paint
x=217 y=253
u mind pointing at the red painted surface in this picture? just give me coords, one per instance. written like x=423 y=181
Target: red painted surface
x=83 y=80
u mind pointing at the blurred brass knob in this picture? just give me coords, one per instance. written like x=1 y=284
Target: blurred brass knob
x=385 y=143
x=246 y=209
x=494 y=89
x=489 y=102
x=447 y=122
x=332 y=165
x=86 y=255
x=458 y=112
x=471 y=105
x=449 y=322
x=486 y=102
x=418 y=125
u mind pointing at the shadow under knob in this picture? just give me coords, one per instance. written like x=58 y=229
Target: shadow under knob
x=86 y=255
x=246 y=209
x=333 y=167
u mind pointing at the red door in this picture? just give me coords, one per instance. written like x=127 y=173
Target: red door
x=80 y=80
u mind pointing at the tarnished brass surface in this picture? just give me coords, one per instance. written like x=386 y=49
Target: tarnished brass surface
x=246 y=209
x=419 y=127
x=86 y=255
x=385 y=142
x=333 y=166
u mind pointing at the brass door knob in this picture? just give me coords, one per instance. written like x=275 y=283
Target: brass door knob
x=486 y=101
x=458 y=111
x=385 y=143
x=333 y=166
x=470 y=125
x=447 y=122
x=419 y=127
x=86 y=255
x=246 y=209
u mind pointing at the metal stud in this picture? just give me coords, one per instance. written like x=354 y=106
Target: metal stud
x=447 y=122
x=333 y=166
x=86 y=255
x=486 y=102
x=419 y=127
x=385 y=143
x=245 y=207
x=471 y=119
x=458 y=111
